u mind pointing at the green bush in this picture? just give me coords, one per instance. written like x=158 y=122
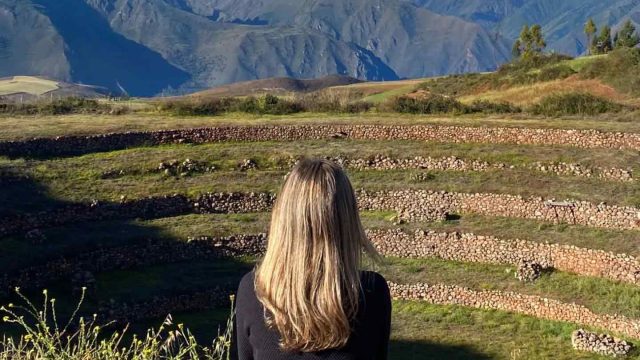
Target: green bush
x=42 y=337
x=489 y=107
x=620 y=69
x=71 y=105
x=574 y=103
x=431 y=104
x=454 y=85
x=532 y=63
x=556 y=72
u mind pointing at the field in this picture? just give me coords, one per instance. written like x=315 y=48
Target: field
x=27 y=85
x=148 y=231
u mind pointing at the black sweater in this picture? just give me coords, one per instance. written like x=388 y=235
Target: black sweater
x=369 y=337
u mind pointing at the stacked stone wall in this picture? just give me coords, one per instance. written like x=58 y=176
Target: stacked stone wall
x=418 y=204
x=531 y=305
x=73 y=145
x=423 y=205
x=469 y=247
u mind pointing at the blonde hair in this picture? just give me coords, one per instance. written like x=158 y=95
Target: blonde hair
x=309 y=279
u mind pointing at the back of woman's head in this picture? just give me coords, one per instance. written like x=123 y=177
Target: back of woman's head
x=309 y=279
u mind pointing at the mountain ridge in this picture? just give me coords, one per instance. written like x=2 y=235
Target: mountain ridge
x=150 y=47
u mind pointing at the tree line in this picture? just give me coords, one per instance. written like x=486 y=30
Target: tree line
x=531 y=40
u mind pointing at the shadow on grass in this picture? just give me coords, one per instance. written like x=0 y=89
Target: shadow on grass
x=62 y=251
x=419 y=350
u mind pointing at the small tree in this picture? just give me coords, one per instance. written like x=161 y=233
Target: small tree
x=590 y=29
x=516 y=51
x=627 y=36
x=530 y=42
x=602 y=44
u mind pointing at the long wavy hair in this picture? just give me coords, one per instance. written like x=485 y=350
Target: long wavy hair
x=309 y=280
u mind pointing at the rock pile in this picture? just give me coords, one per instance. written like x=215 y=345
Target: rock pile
x=74 y=145
x=528 y=271
x=248 y=164
x=602 y=344
x=112 y=174
x=184 y=168
x=35 y=236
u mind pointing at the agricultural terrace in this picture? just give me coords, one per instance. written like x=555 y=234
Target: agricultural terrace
x=501 y=235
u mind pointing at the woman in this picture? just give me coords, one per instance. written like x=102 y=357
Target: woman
x=308 y=298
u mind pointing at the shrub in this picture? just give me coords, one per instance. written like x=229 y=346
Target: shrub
x=196 y=106
x=64 y=106
x=532 y=62
x=273 y=105
x=431 y=104
x=84 y=339
x=556 y=72
x=454 y=85
x=620 y=69
x=574 y=103
x=489 y=107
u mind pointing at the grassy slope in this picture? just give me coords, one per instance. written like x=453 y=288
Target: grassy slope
x=80 y=181
x=26 y=84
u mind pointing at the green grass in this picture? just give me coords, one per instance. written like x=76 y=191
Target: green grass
x=79 y=179
x=599 y=295
x=424 y=331
x=53 y=185
x=385 y=95
x=617 y=241
x=579 y=63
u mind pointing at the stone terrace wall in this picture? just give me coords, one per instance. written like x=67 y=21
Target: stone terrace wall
x=151 y=207
x=130 y=256
x=417 y=204
x=488 y=249
x=438 y=294
x=423 y=205
x=452 y=163
x=449 y=246
x=160 y=306
x=73 y=145
x=513 y=302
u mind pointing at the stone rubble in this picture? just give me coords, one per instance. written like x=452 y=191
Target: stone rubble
x=602 y=344
x=528 y=271
x=184 y=168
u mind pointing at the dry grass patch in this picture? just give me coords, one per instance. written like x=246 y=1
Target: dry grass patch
x=27 y=84
x=531 y=94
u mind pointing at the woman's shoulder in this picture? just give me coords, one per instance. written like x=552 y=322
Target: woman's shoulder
x=373 y=282
x=246 y=288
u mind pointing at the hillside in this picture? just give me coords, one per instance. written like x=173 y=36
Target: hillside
x=562 y=21
x=27 y=88
x=277 y=86
x=167 y=47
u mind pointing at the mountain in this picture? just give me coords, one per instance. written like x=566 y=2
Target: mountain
x=562 y=21
x=148 y=47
